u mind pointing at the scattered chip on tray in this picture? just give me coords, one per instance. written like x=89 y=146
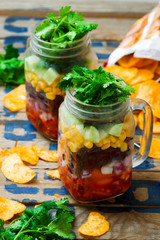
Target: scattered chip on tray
x=54 y=173
x=15 y=170
x=8 y=208
x=15 y=100
x=95 y=226
x=46 y=155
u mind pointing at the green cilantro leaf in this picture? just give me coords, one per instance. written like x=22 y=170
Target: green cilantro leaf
x=38 y=224
x=65 y=28
x=95 y=87
x=11 y=68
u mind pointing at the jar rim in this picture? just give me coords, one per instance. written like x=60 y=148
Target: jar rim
x=85 y=37
x=92 y=112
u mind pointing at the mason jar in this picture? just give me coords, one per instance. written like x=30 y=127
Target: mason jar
x=45 y=64
x=96 y=145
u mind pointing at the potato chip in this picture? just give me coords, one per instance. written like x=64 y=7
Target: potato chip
x=149 y=64
x=125 y=73
x=95 y=226
x=16 y=99
x=135 y=120
x=158 y=69
x=155 y=148
x=142 y=75
x=9 y=207
x=152 y=66
x=150 y=92
x=46 y=155
x=27 y=154
x=15 y=170
x=129 y=61
x=156 y=123
x=54 y=173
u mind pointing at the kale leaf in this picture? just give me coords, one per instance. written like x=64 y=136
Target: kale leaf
x=38 y=224
x=96 y=87
x=67 y=27
x=11 y=68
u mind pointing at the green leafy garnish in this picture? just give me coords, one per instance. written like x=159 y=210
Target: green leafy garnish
x=95 y=87
x=67 y=27
x=37 y=223
x=11 y=68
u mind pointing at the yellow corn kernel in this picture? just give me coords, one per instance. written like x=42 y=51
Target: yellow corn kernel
x=128 y=132
x=106 y=140
x=100 y=143
x=114 y=145
x=38 y=88
x=112 y=139
x=42 y=85
x=118 y=143
x=47 y=89
x=34 y=83
x=72 y=146
x=124 y=147
x=50 y=96
x=122 y=136
x=88 y=144
x=105 y=146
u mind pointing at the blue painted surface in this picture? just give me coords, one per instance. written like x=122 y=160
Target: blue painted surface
x=53 y=146
x=11 y=125
x=7 y=113
x=97 y=44
x=16 y=189
x=51 y=191
x=104 y=56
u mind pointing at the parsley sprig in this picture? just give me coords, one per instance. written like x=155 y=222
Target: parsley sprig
x=95 y=87
x=67 y=27
x=37 y=223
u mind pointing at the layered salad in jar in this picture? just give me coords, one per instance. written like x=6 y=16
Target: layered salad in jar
x=95 y=148
x=56 y=45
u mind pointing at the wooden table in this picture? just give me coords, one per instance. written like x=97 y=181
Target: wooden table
x=134 y=215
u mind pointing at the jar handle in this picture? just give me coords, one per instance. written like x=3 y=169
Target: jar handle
x=139 y=104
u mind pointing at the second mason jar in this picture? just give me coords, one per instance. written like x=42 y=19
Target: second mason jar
x=45 y=64
x=96 y=144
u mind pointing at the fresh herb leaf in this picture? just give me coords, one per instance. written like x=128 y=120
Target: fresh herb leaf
x=67 y=27
x=11 y=68
x=37 y=223
x=95 y=87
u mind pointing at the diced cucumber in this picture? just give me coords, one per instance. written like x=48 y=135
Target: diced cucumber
x=91 y=134
x=103 y=134
x=116 y=129
x=80 y=128
x=32 y=62
x=50 y=75
x=40 y=72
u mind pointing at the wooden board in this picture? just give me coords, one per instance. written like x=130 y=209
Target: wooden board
x=135 y=214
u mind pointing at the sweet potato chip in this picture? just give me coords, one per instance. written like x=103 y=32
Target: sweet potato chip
x=46 y=155
x=158 y=69
x=129 y=61
x=9 y=208
x=95 y=226
x=144 y=62
x=155 y=148
x=27 y=154
x=150 y=92
x=142 y=75
x=156 y=123
x=152 y=66
x=125 y=73
x=15 y=170
x=54 y=173
x=5 y=213
x=135 y=120
x=16 y=99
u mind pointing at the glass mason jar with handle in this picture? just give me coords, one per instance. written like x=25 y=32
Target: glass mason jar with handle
x=96 y=144
x=45 y=64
